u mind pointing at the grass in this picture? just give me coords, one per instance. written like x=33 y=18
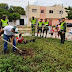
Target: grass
x=49 y=56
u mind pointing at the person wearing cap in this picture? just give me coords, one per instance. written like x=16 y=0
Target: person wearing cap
x=4 y=22
x=33 y=25
x=39 y=27
x=46 y=24
x=63 y=30
x=9 y=31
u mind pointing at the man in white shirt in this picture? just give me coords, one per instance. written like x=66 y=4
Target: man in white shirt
x=9 y=31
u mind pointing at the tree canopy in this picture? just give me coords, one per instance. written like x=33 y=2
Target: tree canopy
x=13 y=12
x=69 y=12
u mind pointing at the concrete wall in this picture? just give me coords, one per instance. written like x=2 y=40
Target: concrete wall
x=18 y=21
x=35 y=14
x=43 y=15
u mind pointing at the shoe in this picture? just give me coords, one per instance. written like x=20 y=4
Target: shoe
x=5 y=52
x=42 y=36
x=45 y=37
x=14 y=50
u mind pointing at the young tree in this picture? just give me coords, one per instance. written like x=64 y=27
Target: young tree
x=69 y=12
x=19 y=10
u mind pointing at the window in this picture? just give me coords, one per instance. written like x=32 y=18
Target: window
x=42 y=11
x=50 y=11
x=60 y=12
x=34 y=10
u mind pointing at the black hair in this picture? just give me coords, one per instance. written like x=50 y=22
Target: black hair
x=63 y=18
x=20 y=34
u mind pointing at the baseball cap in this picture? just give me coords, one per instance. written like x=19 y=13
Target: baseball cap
x=15 y=29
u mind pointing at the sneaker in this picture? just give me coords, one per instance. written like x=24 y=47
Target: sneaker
x=5 y=52
x=14 y=50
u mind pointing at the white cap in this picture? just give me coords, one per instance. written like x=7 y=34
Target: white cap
x=16 y=30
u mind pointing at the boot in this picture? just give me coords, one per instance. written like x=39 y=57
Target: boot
x=5 y=52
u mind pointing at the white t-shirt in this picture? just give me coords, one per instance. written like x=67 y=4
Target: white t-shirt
x=8 y=30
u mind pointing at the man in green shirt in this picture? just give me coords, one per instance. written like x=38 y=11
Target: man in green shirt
x=46 y=24
x=33 y=25
x=63 y=30
x=39 y=27
x=4 y=22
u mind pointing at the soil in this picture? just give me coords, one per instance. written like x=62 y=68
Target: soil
x=26 y=52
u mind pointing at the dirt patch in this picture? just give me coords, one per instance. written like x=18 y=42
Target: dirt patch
x=27 y=52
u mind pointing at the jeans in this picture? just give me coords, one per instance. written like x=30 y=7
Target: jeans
x=62 y=37
x=6 y=37
x=50 y=29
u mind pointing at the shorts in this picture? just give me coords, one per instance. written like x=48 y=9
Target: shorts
x=51 y=33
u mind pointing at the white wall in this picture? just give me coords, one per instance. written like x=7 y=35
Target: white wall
x=14 y=23
x=18 y=21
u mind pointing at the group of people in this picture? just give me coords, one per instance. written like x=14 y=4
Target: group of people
x=60 y=28
x=41 y=27
x=10 y=31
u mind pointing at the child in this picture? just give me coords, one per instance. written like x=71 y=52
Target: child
x=52 y=31
x=56 y=32
x=19 y=39
x=70 y=32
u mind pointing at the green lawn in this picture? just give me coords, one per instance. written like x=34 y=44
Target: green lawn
x=49 y=56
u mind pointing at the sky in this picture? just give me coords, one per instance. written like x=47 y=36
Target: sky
x=24 y=3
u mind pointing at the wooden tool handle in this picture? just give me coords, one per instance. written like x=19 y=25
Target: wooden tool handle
x=10 y=44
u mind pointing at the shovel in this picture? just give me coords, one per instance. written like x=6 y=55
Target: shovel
x=20 y=51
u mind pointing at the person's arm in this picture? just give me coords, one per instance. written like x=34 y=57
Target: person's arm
x=7 y=23
x=0 y=25
x=64 y=27
x=1 y=32
x=12 y=39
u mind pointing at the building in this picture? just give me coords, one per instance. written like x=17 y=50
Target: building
x=22 y=21
x=53 y=13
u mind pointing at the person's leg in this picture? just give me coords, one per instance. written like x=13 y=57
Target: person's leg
x=43 y=32
x=64 y=36
x=14 y=43
x=37 y=31
x=46 y=32
x=32 y=29
x=49 y=29
x=61 y=36
x=40 y=32
x=5 y=43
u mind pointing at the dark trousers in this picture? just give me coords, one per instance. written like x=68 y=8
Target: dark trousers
x=39 y=29
x=62 y=37
x=44 y=31
x=33 y=29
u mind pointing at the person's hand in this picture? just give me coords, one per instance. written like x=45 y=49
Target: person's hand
x=62 y=32
x=11 y=43
x=0 y=37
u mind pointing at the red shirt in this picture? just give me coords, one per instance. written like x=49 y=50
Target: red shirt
x=19 y=39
